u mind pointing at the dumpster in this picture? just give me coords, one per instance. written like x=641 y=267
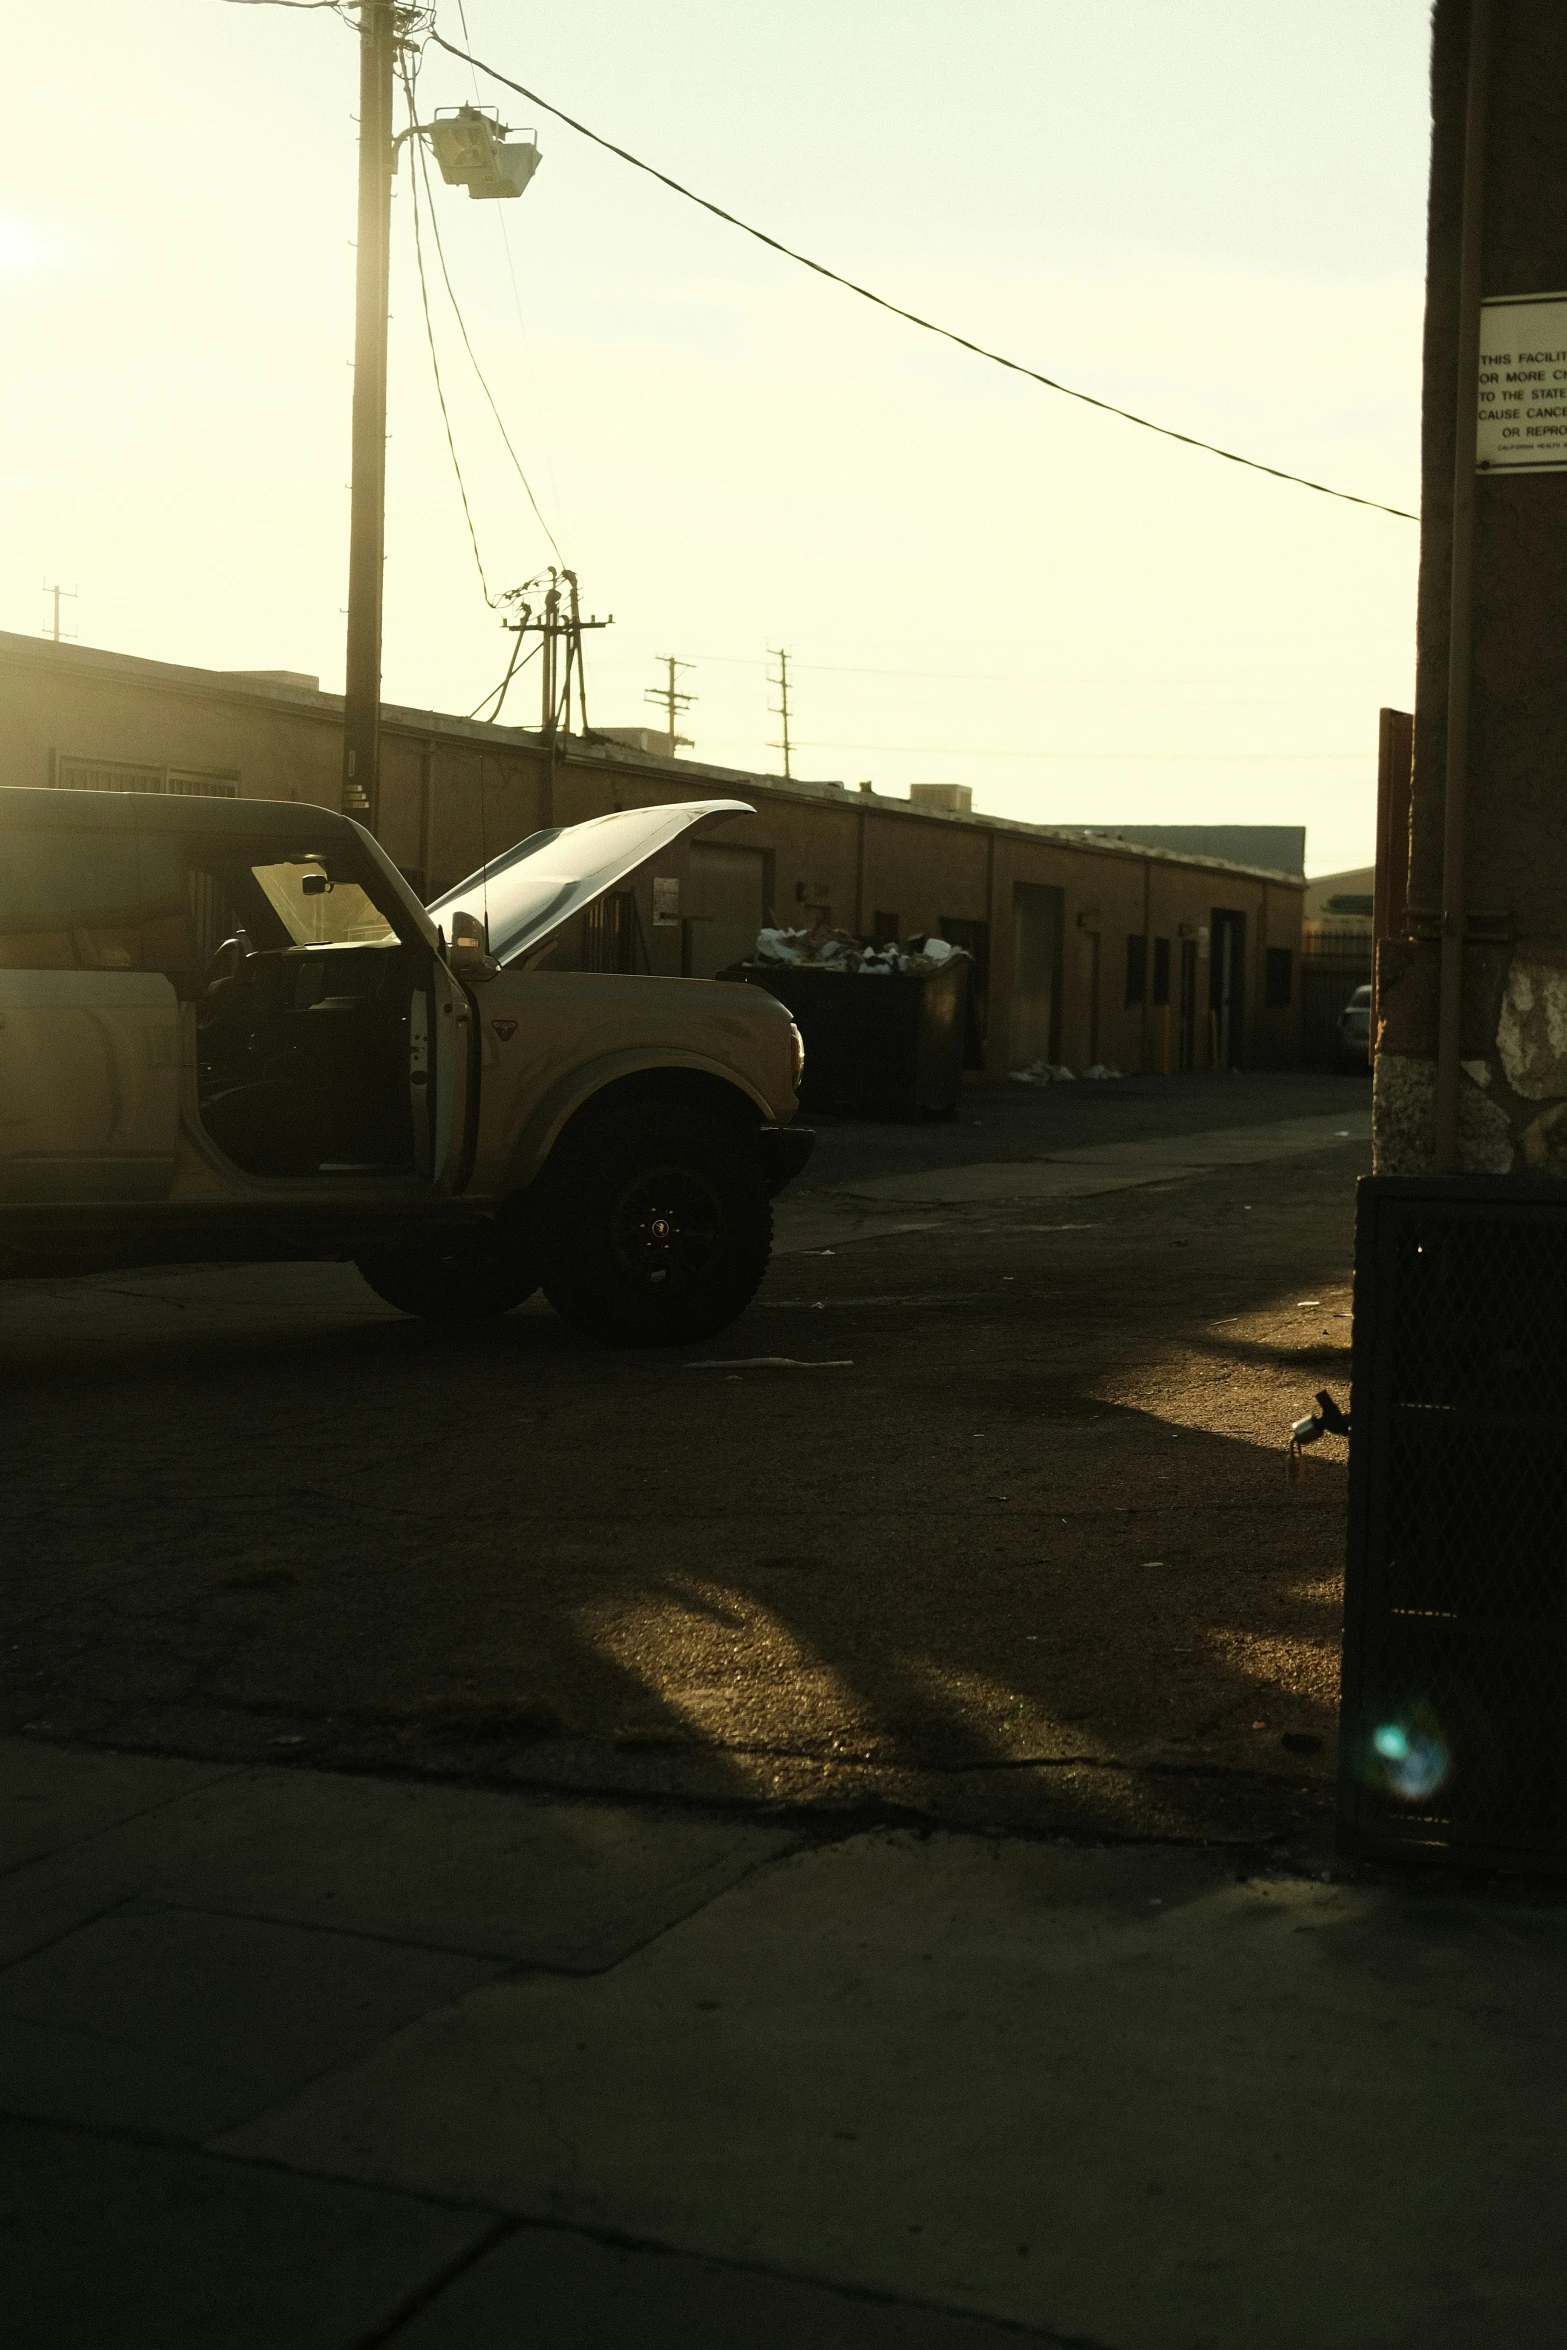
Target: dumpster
x=889 y=1045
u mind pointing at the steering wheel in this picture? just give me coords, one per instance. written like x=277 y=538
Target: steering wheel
x=225 y=990
x=227 y=963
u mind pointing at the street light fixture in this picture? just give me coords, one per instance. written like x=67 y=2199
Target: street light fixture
x=480 y=155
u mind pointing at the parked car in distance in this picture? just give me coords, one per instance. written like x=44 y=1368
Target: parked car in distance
x=1354 y=1035
x=229 y=1030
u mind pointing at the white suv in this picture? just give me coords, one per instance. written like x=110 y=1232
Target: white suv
x=229 y=1030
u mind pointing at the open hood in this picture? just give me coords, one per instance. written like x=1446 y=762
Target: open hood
x=524 y=896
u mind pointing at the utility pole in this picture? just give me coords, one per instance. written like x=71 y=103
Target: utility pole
x=669 y=696
x=57 y=592
x=367 y=518
x=553 y=627
x=780 y=708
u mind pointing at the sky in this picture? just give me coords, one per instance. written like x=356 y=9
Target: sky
x=1211 y=212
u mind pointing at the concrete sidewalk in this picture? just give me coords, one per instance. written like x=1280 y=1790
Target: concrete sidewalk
x=294 y=2058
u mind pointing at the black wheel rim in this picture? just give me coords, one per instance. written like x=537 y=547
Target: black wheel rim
x=666 y=1229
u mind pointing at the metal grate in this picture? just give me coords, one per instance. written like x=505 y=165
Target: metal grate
x=105 y=775
x=188 y=784
x=77 y=774
x=1455 y=1726
x=613 y=935
x=1327 y=981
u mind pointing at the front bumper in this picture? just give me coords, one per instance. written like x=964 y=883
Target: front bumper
x=783 y=1151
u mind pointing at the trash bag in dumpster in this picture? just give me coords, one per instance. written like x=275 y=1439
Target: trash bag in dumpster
x=885 y=1034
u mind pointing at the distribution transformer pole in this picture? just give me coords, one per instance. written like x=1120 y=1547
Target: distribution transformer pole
x=671 y=699
x=367 y=522
x=780 y=708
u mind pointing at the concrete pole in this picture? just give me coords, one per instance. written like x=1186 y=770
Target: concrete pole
x=1460 y=601
x=367 y=521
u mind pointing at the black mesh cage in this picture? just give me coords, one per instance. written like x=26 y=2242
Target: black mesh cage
x=1453 y=1718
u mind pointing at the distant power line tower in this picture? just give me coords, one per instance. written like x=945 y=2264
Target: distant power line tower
x=669 y=697
x=54 y=629
x=780 y=708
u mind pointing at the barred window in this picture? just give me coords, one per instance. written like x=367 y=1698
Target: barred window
x=73 y=772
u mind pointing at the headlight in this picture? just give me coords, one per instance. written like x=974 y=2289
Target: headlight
x=796 y=1055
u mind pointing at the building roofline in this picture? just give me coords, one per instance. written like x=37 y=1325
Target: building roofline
x=246 y=689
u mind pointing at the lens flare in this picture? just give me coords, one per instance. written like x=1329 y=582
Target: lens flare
x=1412 y=1758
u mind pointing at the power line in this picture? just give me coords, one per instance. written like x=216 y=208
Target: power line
x=1003 y=676
x=511 y=269
x=462 y=328
x=1205 y=758
x=497 y=694
x=423 y=171
x=947 y=334
x=435 y=364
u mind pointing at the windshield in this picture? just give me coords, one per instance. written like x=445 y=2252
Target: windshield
x=317 y=911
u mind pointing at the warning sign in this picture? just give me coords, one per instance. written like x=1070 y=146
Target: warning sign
x=1523 y=385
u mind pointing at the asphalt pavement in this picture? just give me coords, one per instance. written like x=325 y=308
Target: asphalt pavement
x=819 y=1839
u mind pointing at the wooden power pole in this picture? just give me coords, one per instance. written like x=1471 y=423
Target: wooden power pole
x=367 y=521
x=780 y=708
x=670 y=697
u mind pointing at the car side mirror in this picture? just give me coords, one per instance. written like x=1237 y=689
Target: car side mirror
x=468 y=957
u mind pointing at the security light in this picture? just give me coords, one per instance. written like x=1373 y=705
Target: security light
x=477 y=154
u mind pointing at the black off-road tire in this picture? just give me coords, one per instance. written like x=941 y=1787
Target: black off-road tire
x=655 y=1227
x=453 y=1276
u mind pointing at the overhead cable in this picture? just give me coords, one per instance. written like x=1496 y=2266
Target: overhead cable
x=947 y=334
x=462 y=328
x=1206 y=758
x=435 y=368
x=497 y=694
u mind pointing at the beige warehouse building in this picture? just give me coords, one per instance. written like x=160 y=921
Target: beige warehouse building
x=1086 y=950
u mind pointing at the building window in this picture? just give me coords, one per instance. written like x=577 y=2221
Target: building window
x=1136 y=968
x=1161 y=970
x=884 y=929
x=1280 y=979
x=74 y=773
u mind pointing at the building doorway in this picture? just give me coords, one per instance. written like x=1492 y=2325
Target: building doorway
x=1227 y=986
x=1035 y=1033
x=1186 y=1009
x=728 y=902
x=1088 y=973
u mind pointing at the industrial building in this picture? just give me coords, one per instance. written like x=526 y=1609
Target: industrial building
x=1088 y=950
